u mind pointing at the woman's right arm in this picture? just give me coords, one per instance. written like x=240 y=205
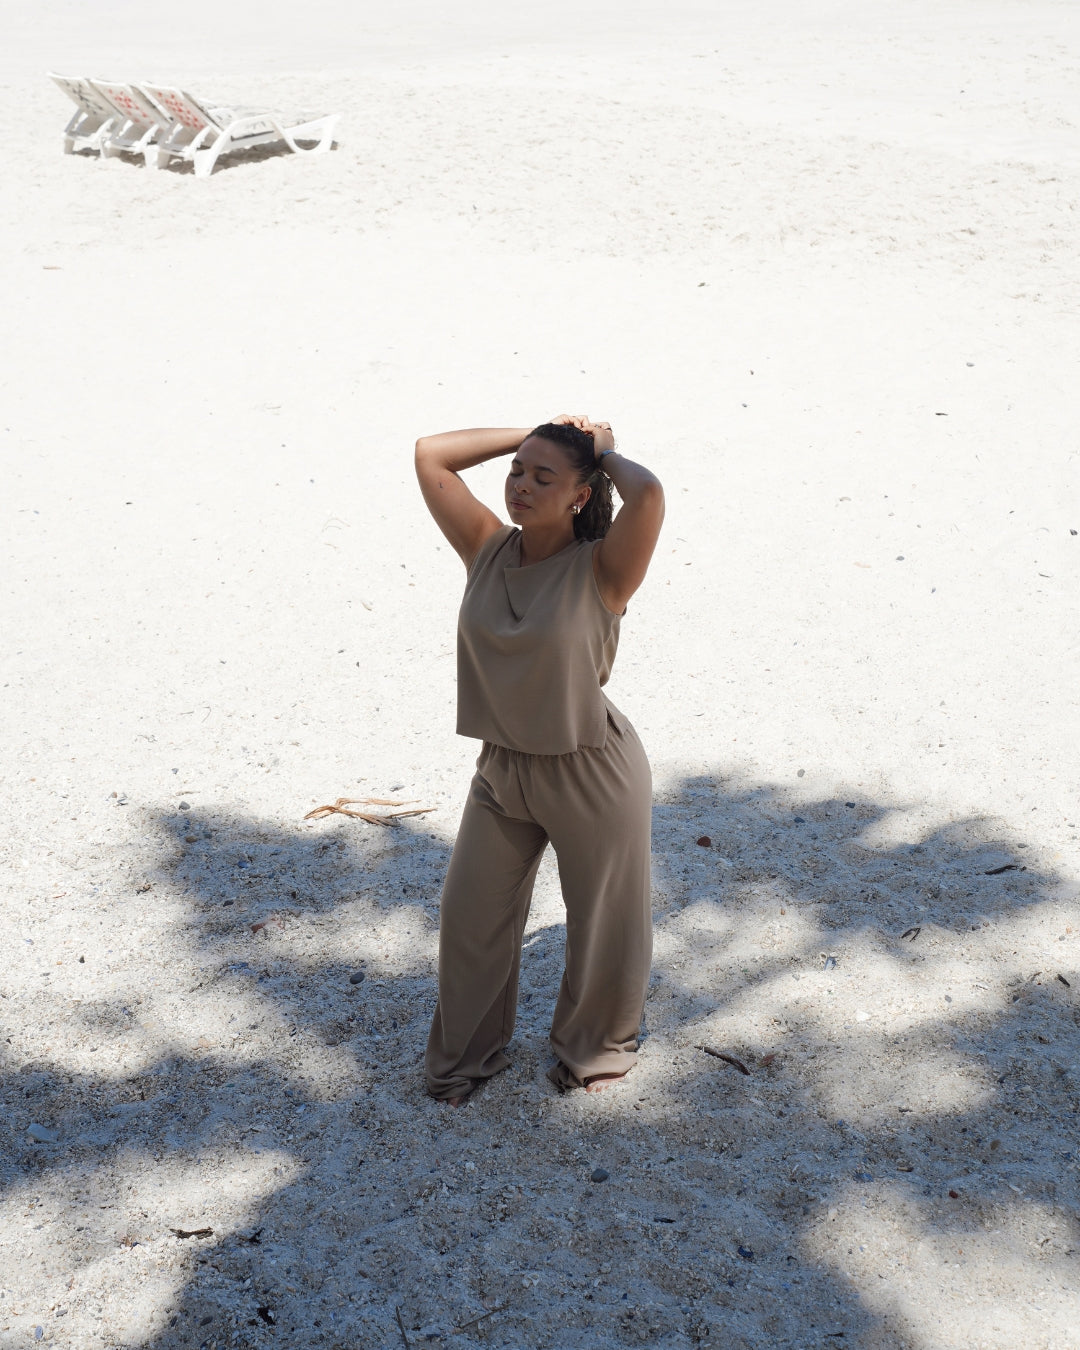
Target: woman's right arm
x=465 y=521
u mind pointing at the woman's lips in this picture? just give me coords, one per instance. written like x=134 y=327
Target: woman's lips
x=516 y=505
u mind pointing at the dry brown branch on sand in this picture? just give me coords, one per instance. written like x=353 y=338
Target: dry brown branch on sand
x=722 y=1054
x=465 y=1326
x=341 y=808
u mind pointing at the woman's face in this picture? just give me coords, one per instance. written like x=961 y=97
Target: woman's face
x=542 y=485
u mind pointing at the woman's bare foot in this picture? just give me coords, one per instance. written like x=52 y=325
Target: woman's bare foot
x=603 y=1081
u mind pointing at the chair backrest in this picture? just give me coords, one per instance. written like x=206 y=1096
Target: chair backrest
x=183 y=108
x=130 y=102
x=82 y=92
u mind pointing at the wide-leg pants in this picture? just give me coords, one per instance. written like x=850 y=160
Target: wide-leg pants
x=594 y=806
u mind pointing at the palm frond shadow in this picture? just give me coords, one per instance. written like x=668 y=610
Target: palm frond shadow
x=733 y=1198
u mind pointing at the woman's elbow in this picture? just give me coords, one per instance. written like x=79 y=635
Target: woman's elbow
x=652 y=496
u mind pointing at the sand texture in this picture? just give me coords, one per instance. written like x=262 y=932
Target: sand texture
x=819 y=266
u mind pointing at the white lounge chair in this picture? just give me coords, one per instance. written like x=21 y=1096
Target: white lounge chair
x=139 y=121
x=200 y=134
x=93 y=118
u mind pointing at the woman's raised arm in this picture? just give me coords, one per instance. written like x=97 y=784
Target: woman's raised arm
x=464 y=520
x=623 y=555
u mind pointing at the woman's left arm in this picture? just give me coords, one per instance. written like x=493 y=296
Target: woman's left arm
x=622 y=557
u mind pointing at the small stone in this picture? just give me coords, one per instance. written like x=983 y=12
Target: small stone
x=862 y=1016
x=799 y=820
x=830 y=963
x=747 y=1253
x=42 y=1134
x=864 y=1176
x=801 y=773
x=185 y=806
x=598 y=1174
x=705 y=841
x=357 y=977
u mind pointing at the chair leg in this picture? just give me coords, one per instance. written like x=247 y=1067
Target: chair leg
x=204 y=160
x=308 y=131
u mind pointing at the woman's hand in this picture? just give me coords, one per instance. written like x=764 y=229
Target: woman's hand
x=603 y=436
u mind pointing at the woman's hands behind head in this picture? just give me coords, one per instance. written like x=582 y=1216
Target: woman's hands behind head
x=603 y=437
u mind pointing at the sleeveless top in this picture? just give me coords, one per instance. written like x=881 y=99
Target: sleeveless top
x=535 y=645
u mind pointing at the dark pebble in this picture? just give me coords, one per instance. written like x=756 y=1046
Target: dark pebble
x=864 y=1176
x=800 y=820
x=227 y=902
x=747 y=1253
x=850 y=805
x=185 y=806
x=705 y=841
x=598 y=1174
x=357 y=977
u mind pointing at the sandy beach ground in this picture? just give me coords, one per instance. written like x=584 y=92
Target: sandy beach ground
x=818 y=265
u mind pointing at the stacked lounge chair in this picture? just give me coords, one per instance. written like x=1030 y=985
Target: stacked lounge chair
x=163 y=124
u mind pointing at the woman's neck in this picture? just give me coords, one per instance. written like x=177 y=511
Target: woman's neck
x=535 y=548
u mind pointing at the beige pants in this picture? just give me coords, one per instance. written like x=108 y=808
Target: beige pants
x=594 y=806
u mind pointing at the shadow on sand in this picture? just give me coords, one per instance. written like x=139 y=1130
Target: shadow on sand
x=909 y=1095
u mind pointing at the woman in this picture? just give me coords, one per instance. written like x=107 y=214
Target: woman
x=537 y=634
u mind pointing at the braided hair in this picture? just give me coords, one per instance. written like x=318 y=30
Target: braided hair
x=594 y=519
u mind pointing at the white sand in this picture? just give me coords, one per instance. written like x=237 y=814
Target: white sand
x=819 y=266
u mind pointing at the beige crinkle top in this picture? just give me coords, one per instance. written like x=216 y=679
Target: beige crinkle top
x=535 y=645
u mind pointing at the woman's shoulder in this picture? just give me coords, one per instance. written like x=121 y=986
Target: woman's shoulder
x=496 y=540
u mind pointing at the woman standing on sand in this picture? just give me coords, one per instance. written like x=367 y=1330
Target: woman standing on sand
x=537 y=634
